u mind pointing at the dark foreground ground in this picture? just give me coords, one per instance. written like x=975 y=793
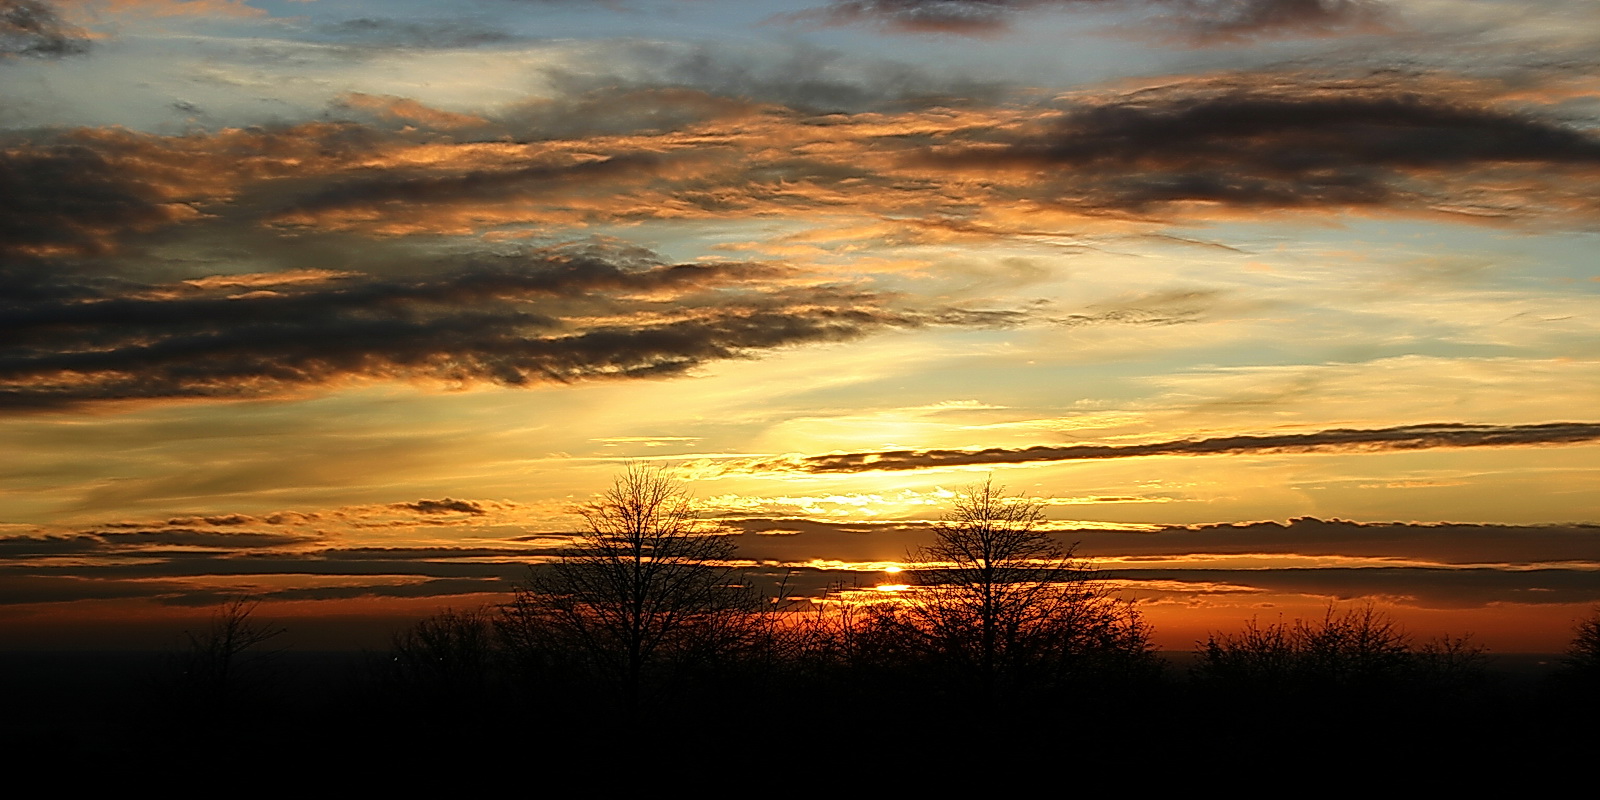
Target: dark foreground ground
x=338 y=711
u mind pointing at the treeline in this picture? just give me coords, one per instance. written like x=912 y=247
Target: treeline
x=643 y=640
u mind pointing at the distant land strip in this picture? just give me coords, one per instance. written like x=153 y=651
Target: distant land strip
x=1404 y=437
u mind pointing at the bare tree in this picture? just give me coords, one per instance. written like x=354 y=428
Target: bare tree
x=1002 y=600
x=212 y=665
x=445 y=657
x=645 y=587
x=1583 y=656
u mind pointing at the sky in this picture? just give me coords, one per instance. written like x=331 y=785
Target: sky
x=347 y=305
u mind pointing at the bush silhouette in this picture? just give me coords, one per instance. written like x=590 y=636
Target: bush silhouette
x=1358 y=653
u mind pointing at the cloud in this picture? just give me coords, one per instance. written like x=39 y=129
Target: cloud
x=389 y=195
x=440 y=34
x=49 y=546
x=181 y=561
x=536 y=317
x=408 y=110
x=1292 y=146
x=439 y=587
x=708 y=141
x=659 y=75
x=172 y=8
x=1435 y=542
x=125 y=540
x=1405 y=437
x=1203 y=21
x=178 y=537
x=969 y=17
x=1269 y=544
x=1231 y=21
x=86 y=192
x=33 y=28
x=71 y=200
x=445 y=506
x=1425 y=587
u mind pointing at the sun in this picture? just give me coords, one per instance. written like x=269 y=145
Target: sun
x=892 y=587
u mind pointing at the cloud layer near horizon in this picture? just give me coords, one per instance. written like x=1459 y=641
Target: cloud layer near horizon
x=308 y=555
x=1405 y=437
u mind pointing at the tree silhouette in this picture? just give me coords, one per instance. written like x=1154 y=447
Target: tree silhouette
x=1583 y=656
x=446 y=658
x=644 y=589
x=213 y=668
x=1002 y=602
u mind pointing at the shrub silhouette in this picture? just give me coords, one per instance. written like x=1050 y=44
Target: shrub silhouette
x=1360 y=652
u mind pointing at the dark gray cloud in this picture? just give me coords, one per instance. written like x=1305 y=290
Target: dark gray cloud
x=797 y=540
x=807 y=79
x=445 y=506
x=1404 y=437
x=86 y=192
x=427 y=553
x=924 y=16
x=1427 y=587
x=1282 y=147
x=391 y=194
x=1202 y=20
x=441 y=588
x=180 y=537
x=437 y=34
x=66 y=588
x=50 y=545
x=354 y=563
x=1210 y=21
x=547 y=316
x=214 y=520
x=1451 y=565
x=70 y=197
x=115 y=541
x=33 y=28
x=1436 y=542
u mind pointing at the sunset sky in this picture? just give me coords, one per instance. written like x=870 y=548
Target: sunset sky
x=346 y=304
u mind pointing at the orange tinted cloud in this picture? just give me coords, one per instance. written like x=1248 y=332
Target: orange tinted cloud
x=166 y=8
x=404 y=108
